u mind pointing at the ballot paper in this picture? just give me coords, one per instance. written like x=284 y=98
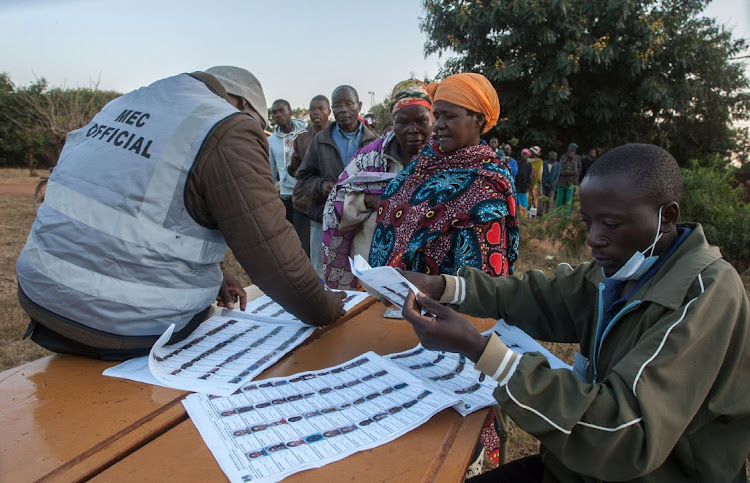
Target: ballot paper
x=276 y=427
x=519 y=341
x=386 y=282
x=451 y=373
x=265 y=309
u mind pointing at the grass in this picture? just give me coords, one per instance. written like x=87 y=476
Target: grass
x=17 y=215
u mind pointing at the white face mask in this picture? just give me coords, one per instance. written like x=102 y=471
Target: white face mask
x=639 y=264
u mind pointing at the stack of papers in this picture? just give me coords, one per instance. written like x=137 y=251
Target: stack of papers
x=277 y=427
x=383 y=282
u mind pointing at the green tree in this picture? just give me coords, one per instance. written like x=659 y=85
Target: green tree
x=599 y=72
x=382 y=113
x=710 y=196
x=36 y=118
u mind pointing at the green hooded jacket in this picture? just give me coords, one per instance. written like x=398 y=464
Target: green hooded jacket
x=672 y=397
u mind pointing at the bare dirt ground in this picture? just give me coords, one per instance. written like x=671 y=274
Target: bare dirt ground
x=19 y=189
x=17 y=183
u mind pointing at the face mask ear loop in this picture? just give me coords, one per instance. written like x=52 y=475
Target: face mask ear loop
x=658 y=234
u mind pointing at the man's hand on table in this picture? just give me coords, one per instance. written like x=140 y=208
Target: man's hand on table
x=230 y=291
x=431 y=285
x=443 y=328
x=335 y=304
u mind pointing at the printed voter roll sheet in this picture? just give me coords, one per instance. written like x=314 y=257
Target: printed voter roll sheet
x=263 y=308
x=223 y=353
x=519 y=341
x=451 y=373
x=276 y=427
x=385 y=281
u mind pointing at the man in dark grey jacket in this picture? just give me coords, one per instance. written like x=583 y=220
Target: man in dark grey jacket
x=327 y=156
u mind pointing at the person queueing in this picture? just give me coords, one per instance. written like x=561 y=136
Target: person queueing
x=281 y=147
x=495 y=145
x=512 y=163
x=568 y=179
x=535 y=160
x=660 y=391
x=349 y=214
x=524 y=181
x=320 y=110
x=327 y=155
x=550 y=175
x=453 y=205
x=140 y=210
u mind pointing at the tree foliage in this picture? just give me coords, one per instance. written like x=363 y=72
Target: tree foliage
x=599 y=72
x=35 y=119
x=382 y=112
x=710 y=196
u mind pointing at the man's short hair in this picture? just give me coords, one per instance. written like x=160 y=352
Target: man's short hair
x=282 y=101
x=321 y=97
x=347 y=87
x=650 y=168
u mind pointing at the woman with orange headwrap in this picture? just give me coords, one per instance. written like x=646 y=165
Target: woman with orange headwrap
x=453 y=205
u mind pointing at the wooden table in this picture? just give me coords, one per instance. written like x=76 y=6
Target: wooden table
x=62 y=420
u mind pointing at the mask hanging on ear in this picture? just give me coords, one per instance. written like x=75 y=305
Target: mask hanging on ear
x=639 y=264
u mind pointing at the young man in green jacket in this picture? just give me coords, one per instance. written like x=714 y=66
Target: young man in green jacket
x=661 y=391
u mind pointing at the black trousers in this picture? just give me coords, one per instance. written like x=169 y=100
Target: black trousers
x=528 y=469
x=300 y=222
x=289 y=209
x=302 y=227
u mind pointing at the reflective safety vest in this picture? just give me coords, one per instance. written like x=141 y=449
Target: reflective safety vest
x=113 y=247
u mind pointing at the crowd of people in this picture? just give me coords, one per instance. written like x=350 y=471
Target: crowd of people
x=658 y=391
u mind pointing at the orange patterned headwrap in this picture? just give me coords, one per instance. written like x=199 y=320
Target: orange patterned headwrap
x=471 y=91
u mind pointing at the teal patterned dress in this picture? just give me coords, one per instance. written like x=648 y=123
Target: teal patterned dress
x=447 y=211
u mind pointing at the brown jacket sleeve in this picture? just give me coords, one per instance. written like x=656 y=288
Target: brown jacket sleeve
x=230 y=189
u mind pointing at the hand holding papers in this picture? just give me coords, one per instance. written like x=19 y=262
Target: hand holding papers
x=382 y=282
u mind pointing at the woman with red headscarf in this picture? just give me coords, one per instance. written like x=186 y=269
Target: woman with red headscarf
x=453 y=205
x=348 y=216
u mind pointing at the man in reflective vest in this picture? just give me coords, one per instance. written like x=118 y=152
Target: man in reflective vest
x=140 y=210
